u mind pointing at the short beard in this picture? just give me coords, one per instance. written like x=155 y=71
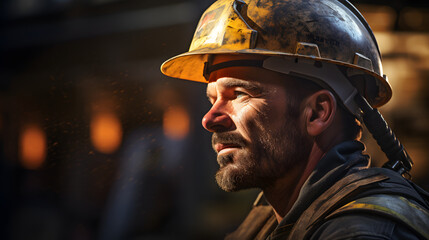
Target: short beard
x=278 y=152
x=232 y=179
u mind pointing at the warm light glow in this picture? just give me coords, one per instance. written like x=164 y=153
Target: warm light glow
x=32 y=147
x=380 y=18
x=386 y=42
x=176 y=122
x=407 y=54
x=106 y=132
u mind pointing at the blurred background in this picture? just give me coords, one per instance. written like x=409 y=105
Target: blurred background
x=97 y=144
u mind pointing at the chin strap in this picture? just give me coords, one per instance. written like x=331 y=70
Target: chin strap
x=399 y=160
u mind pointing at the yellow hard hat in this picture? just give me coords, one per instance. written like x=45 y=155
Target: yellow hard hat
x=330 y=36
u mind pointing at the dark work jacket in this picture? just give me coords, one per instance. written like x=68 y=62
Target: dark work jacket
x=342 y=161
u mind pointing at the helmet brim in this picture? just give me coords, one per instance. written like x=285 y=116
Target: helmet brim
x=190 y=66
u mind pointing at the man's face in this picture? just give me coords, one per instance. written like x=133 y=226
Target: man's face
x=256 y=132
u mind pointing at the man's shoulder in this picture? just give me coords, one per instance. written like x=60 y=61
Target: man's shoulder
x=367 y=204
x=362 y=225
x=392 y=184
x=392 y=208
x=380 y=216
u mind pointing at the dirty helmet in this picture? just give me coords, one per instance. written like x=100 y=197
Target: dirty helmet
x=328 y=42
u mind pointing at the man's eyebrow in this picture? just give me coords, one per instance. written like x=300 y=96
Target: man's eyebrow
x=240 y=83
x=233 y=83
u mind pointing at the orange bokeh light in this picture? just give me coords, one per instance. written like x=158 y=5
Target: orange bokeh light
x=106 y=132
x=32 y=147
x=176 y=122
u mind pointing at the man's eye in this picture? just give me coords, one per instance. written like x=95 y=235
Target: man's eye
x=239 y=94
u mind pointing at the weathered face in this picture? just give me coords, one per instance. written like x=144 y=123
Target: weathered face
x=256 y=133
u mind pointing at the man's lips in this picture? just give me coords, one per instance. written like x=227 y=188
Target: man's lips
x=225 y=146
x=224 y=142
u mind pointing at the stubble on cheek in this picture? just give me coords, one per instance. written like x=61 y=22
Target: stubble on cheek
x=244 y=168
x=273 y=153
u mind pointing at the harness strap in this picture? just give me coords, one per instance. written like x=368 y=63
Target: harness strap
x=332 y=199
x=394 y=207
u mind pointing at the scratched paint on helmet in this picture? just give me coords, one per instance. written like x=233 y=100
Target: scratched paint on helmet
x=210 y=29
x=222 y=26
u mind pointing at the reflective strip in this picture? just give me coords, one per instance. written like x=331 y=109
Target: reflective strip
x=395 y=207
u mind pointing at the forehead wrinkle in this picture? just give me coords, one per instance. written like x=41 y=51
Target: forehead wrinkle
x=248 y=77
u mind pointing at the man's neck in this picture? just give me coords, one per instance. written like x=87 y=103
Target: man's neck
x=284 y=192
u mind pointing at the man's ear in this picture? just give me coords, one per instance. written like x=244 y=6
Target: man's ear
x=319 y=111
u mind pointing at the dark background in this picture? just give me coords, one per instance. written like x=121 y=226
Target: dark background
x=88 y=150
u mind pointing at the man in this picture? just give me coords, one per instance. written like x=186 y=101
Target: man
x=289 y=82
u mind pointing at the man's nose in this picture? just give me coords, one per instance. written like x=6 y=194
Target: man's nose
x=217 y=119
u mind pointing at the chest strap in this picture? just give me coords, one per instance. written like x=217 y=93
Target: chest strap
x=393 y=207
